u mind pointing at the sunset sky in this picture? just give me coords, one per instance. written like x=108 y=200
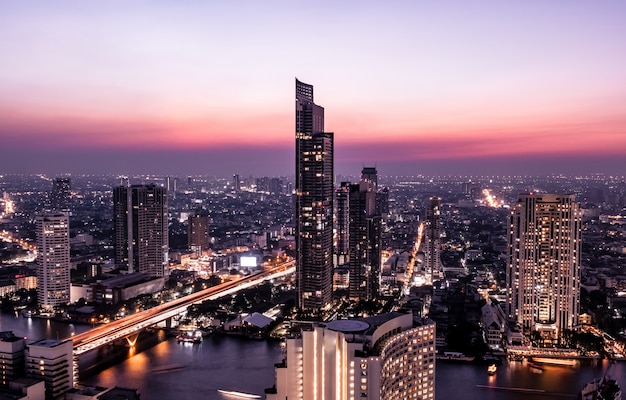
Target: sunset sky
x=207 y=87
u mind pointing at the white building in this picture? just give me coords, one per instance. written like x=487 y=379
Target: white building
x=386 y=357
x=543 y=272
x=51 y=361
x=53 y=260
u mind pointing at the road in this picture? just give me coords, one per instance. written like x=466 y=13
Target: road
x=131 y=324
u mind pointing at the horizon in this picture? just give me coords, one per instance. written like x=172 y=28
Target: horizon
x=195 y=88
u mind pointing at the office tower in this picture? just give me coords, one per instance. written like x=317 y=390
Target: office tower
x=364 y=238
x=60 y=195
x=236 y=183
x=141 y=229
x=386 y=357
x=342 y=218
x=314 y=203
x=543 y=272
x=51 y=361
x=198 y=232
x=53 y=260
x=432 y=241
x=11 y=357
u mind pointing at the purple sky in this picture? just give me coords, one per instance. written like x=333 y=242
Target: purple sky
x=413 y=87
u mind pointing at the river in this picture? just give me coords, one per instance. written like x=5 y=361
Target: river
x=172 y=370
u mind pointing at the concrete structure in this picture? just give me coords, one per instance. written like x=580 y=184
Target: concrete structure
x=314 y=203
x=141 y=229
x=11 y=357
x=51 y=361
x=364 y=237
x=53 y=260
x=493 y=321
x=23 y=389
x=387 y=357
x=60 y=195
x=543 y=271
x=432 y=241
x=198 y=238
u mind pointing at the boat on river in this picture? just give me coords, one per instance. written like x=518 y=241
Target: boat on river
x=554 y=361
x=491 y=370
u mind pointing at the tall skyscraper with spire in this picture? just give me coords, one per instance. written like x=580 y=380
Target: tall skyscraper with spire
x=543 y=272
x=314 y=202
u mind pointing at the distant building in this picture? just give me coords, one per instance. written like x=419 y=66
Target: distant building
x=387 y=357
x=123 y=287
x=543 y=271
x=141 y=229
x=198 y=237
x=51 y=361
x=432 y=240
x=53 y=260
x=60 y=195
x=314 y=203
x=342 y=219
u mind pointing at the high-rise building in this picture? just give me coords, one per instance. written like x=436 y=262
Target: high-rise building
x=53 y=259
x=543 y=272
x=314 y=203
x=364 y=238
x=236 y=183
x=386 y=357
x=198 y=232
x=60 y=195
x=141 y=229
x=51 y=361
x=432 y=241
x=342 y=219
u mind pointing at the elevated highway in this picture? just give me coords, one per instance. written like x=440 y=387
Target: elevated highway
x=132 y=324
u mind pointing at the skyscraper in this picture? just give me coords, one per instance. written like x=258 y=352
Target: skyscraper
x=386 y=357
x=364 y=238
x=198 y=232
x=432 y=240
x=141 y=229
x=60 y=195
x=53 y=260
x=314 y=202
x=543 y=272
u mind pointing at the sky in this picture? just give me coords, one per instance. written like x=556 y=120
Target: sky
x=413 y=87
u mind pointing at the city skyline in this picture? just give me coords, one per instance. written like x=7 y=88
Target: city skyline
x=197 y=87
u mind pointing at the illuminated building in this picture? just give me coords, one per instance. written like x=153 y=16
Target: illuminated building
x=198 y=232
x=364 y=237
x=386 y=357
x=53 y=260
x=543 y=272
x=432 y=240
x=51 y=361
x=141 y=229
x=342 y=219
x=314 y=203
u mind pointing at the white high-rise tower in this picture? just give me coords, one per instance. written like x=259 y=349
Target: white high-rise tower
x=53 y=260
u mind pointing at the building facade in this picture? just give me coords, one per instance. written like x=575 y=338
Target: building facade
x=386 y=357
x=314 y=203
x=53 y=260
x=543 y=272
x=364 y=237
x=198 y=237
x=141 y=229
x=60 y=195
x=51 y=361
x=433 y=269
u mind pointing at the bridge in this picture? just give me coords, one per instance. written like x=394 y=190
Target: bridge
x=131 y=325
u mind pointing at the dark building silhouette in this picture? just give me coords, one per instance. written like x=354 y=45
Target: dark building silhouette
x=60 y=195
x=141 y=229
x=198 y=232
x=314 y=202
x=432 y=240
x=364 y=238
